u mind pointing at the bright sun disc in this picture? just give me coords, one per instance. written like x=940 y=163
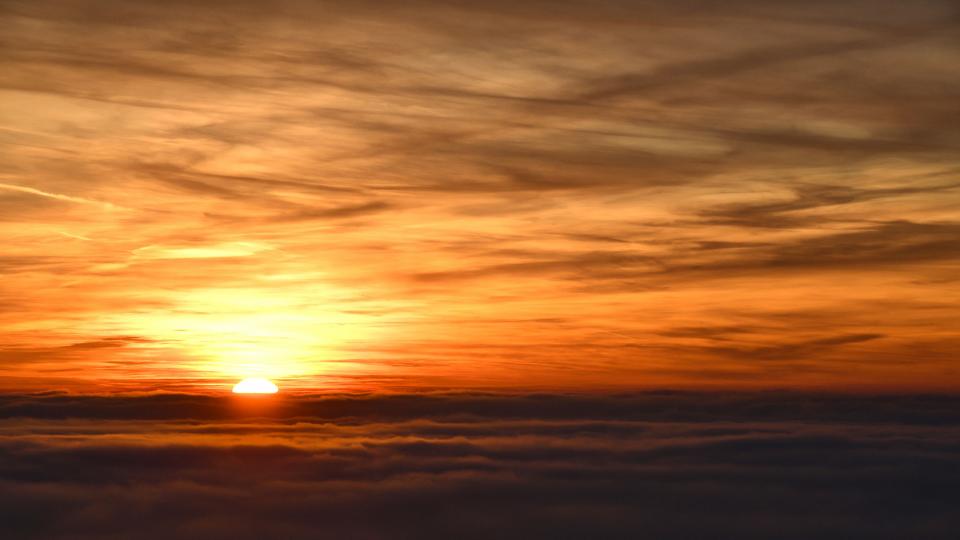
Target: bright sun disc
x=255 y=385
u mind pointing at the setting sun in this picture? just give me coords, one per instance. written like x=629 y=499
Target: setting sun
x=255 y=385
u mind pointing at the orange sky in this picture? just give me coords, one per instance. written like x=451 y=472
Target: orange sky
x=479 y=195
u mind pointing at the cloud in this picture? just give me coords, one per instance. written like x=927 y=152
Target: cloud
x=56 y=196
x=649 y=406
x=53 y=355
x=802 y=350
x=675 y=465
x=631 y=168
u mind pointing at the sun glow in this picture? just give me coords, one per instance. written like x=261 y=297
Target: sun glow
x=255 y=385
x=280 y=330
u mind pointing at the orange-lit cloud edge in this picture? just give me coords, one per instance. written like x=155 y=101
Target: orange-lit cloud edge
x=366 y=198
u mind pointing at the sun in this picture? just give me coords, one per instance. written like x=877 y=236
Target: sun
x=255 y=385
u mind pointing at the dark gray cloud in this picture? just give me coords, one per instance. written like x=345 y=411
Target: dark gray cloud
x=664 y=405
x=665 y=464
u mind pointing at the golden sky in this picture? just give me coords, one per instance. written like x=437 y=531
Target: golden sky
x=402 y=195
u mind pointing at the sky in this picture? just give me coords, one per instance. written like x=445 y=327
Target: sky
x=564 y=195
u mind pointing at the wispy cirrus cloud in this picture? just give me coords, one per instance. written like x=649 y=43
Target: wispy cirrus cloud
x=414 y=191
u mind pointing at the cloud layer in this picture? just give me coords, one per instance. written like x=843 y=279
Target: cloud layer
x=666 y=465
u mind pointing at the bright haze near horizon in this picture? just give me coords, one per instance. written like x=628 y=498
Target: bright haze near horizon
x=529 y=269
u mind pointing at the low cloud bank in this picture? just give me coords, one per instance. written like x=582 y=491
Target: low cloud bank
x=657 y=465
